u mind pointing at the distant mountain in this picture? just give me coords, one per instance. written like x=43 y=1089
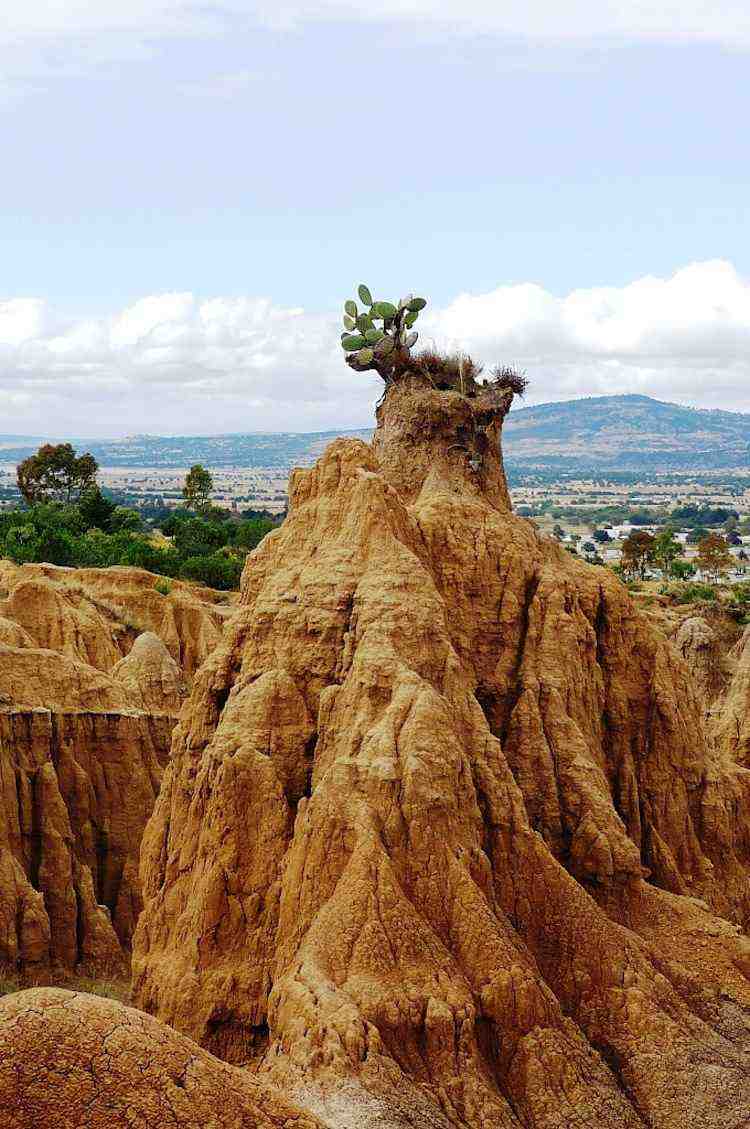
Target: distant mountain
x=598 y=433
x=625 y=433
x=262 y=449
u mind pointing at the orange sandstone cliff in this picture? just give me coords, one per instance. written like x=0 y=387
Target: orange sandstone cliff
x=88 y=699
x=442 y=841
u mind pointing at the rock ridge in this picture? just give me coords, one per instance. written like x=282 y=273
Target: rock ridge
x=442 y=831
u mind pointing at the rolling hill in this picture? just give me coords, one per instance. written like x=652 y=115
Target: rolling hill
x=599 y=433
x=628 y=432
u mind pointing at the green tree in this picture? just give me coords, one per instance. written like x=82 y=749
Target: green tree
x=97 y=549
x=666 y=550
x=123 y=518
x=95 y=509
x=198 y=488
x=25 y=544
x=197 y=538
x=216 y=570
x=56 y=474
x=682 y=569
x=21 y=544
x=250 y=533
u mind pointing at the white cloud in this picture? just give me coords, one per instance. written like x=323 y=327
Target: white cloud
x=43 y=41
x=703 y=309
x=173 y=363
x=724 y=21
x=21 y=319
x=686 y=337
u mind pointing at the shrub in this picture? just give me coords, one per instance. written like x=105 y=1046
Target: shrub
x=125 y=519
x=249 y=534
x=216 y=570
x=693 y=593
x=64 y=535
x=196 y=538
x=140 y=553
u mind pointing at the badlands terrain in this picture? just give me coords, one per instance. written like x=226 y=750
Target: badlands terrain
x=94 y=668
x=434 y=827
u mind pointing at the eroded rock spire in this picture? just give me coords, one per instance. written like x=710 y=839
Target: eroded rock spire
x=441 y=842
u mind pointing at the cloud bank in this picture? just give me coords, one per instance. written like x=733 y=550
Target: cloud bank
x=177 y=364
x=723 y=21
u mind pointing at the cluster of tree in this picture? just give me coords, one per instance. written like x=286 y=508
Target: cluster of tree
x=695 y=516
x=68 y=521
x=641 y=549
x=698 y=518
x=595 y=516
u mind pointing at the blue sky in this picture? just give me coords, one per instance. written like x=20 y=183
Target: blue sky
x=267 y=158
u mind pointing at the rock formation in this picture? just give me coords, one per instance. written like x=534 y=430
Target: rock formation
x=442 y=841
x=152 y=675
x=73 y=1060
x=731 y=724
x=700 y=646
x=87 y=706
x=96 y=613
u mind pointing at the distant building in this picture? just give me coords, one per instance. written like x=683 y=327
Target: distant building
x=620 y=532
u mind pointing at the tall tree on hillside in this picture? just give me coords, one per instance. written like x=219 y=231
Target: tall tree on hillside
x=95 y=509
x=198 y=488
x=56 y=474
x=637 y=553
x=714 y=557
x=666 y=550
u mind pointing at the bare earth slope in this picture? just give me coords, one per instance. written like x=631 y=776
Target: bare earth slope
x=96 y=613
x=87 y=706
x=70 y=1060
x=441 y=842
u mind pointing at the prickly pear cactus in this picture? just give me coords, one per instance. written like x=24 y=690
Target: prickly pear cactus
x=380 y=337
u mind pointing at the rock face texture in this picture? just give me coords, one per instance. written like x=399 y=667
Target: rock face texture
x=87 y=706
x=95 y=614
x=152 y=676
x=699 y=645
x=68 y=1059
x=442 y=841
x=731 y=723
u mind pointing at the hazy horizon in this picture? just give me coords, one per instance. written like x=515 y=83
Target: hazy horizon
x=520 y=404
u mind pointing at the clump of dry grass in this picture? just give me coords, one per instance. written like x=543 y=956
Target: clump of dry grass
x=506 y=377
x=459 y=373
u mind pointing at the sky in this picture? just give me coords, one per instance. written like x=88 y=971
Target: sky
x=190 y=191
